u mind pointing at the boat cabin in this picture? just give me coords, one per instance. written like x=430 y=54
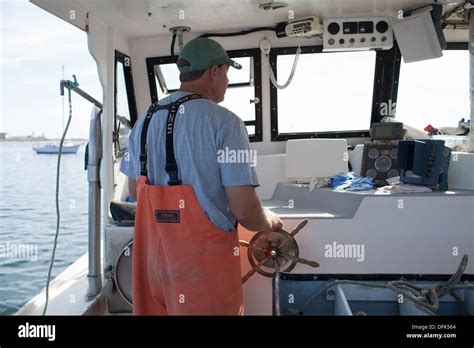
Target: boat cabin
x=327 y=87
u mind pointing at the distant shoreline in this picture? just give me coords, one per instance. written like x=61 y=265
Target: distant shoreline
x=25 y=139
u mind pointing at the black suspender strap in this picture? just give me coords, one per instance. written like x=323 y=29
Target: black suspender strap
x=143 y=145
x=171 y=166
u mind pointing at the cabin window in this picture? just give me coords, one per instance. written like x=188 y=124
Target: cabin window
x=125 y=111
x=167 y=77
x=243 y=96
x=330 y=95
x=435 y=91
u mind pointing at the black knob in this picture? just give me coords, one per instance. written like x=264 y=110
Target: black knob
x=334 y=28
x=382 y=27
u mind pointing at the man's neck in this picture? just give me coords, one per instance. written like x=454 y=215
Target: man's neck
x=196 y=89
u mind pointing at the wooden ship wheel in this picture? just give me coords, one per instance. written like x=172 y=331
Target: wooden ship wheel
x=276 y=251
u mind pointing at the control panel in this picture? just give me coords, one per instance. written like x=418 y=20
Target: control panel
x=357 y=34
x=380 y=161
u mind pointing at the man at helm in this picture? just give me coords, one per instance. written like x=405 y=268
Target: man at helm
x=189 y=200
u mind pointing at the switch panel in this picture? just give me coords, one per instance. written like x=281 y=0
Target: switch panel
x=357 y=34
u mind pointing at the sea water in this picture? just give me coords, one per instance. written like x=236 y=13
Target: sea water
x=28 y=219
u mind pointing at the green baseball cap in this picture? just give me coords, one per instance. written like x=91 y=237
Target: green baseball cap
x=202 y=53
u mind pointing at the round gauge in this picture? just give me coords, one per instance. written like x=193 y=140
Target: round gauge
x=373 y=153
x=393 y=173
x=383 y=164
x=394 y=153
x=333 y=28
x=382 y=27
x=371 y=172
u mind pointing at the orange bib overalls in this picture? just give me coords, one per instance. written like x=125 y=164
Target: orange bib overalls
x=182 y=264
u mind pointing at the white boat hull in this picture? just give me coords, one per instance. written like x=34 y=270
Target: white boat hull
x=55 y=149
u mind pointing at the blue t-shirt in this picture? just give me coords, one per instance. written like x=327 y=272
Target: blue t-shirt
x=212 y=151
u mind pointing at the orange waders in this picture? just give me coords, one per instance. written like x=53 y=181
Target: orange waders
x=182 y=263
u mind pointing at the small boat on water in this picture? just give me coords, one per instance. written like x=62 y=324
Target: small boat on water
x=67 y=148
x=54 y=149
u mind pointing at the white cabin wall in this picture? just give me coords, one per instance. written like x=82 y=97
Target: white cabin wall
x=100 y=33
x=103 y=40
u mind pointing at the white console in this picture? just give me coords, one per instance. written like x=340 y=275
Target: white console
x=315 y=158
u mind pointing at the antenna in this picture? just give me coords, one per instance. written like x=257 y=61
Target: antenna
x=178 y=31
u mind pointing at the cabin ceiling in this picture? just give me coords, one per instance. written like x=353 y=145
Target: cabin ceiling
x=132 y=17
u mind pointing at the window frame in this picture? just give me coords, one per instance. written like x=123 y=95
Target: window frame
x=130 y=90
x=257 y=74
x=126 y=61
x=385 y=74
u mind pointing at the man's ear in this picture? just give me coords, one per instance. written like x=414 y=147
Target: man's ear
x=213 y=70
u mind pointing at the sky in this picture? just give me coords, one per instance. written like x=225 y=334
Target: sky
x=435 y=91
x=34 y=45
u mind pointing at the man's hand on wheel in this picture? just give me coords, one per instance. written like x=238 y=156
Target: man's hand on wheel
x=274 y=221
